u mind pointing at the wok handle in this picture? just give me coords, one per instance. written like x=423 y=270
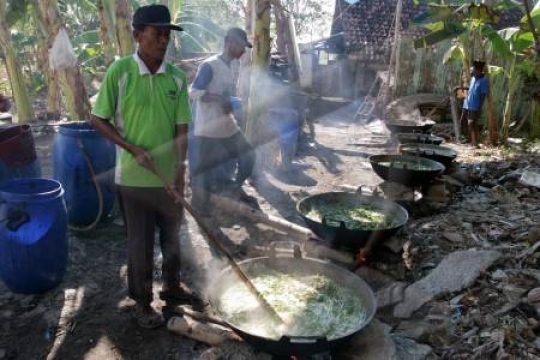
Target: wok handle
x=342 y=225
x=297 y=251
x=304 y=339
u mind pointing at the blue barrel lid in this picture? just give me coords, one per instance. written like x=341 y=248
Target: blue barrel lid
x=30 y=190
x=78 y=129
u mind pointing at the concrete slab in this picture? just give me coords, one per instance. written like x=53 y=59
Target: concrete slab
x=455 y=272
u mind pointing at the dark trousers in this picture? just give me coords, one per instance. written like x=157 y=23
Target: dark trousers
x=145 y=209
x=223 y=163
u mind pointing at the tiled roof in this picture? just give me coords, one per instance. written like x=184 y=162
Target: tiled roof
x=369 y=24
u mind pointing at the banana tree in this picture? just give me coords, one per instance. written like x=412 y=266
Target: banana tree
x=260 y=61
x=126 y=45
x=509 y=44
x=470 y=24
x=71 y=80
x=25 y=113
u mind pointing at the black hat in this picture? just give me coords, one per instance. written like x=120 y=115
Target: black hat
x=154 y=15
x=479 y=64
x=238 y=35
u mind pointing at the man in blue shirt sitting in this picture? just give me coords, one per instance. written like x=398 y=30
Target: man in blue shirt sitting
x=472 y=106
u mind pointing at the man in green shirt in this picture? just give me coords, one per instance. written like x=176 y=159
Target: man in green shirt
x=143 y=108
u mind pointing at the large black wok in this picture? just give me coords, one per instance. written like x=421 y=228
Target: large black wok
x=405 y=169
x=293 y=346
x=337 y=234
x=441 y=154
x=408 y=138
x=409 y=126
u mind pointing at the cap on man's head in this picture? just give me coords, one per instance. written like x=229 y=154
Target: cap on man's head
x=154 y=15
x=238 y=35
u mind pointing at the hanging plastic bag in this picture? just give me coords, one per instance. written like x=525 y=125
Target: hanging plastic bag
x=61 y=54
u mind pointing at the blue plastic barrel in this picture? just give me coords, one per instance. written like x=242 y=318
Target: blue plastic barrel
x=33 y=235
x=82 y=160
x=286 y=125
x=18 y=154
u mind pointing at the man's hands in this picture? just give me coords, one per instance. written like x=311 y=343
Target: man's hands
x=226 y=105
x=143 y=158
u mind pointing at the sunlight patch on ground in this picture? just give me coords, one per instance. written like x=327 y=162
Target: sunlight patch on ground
x=73 y=299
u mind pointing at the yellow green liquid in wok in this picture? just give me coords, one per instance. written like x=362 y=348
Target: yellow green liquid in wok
x=310 y=305
x=354 y=218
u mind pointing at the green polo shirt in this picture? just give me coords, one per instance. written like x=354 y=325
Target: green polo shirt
x=145 y=110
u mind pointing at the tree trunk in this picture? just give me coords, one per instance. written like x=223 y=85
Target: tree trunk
x=107 y=40
x=281 y=27
x=25 y=113
x=257 y=108
x=493 y=128
x=126 y=44
x=244 y=76
x=513 y=82
x=70 y=79
x=535 y=120
x=53 y=88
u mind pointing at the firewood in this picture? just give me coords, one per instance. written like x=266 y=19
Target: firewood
x=290 y=228
x=198 y=331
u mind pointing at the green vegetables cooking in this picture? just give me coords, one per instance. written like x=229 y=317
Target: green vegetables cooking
x=356 y=217
x=310 y=305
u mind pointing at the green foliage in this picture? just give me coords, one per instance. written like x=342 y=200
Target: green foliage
x=454 y=54
x=448 y=31
x=535 y=15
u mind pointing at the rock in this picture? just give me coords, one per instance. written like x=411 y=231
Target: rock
x=374 y=278
x=414 y=329
x=390 y=295
x=455 y=272
x=534 y=295
x=410 y=350
x=513 y=293
x=372 y=343
x=2 y=353
x=499 y=275
x=6 y=314
x=453 y=237
x=395 y=244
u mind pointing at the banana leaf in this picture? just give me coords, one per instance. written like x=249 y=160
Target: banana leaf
x=449 y=31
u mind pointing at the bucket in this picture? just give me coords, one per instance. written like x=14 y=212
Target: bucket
x=286 y=125
x=18 y=154
x=33 y=235
x=83 y=161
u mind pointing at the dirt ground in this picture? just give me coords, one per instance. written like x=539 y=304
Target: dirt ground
x=86 y=316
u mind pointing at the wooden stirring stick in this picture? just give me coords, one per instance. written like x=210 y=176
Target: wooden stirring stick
x=218 y=244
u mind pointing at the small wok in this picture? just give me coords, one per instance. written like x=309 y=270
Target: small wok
x=405 y=169
x=409 y=138
x=409 y=126
x=293 y=346
x=337 y=233
x=441 y=154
